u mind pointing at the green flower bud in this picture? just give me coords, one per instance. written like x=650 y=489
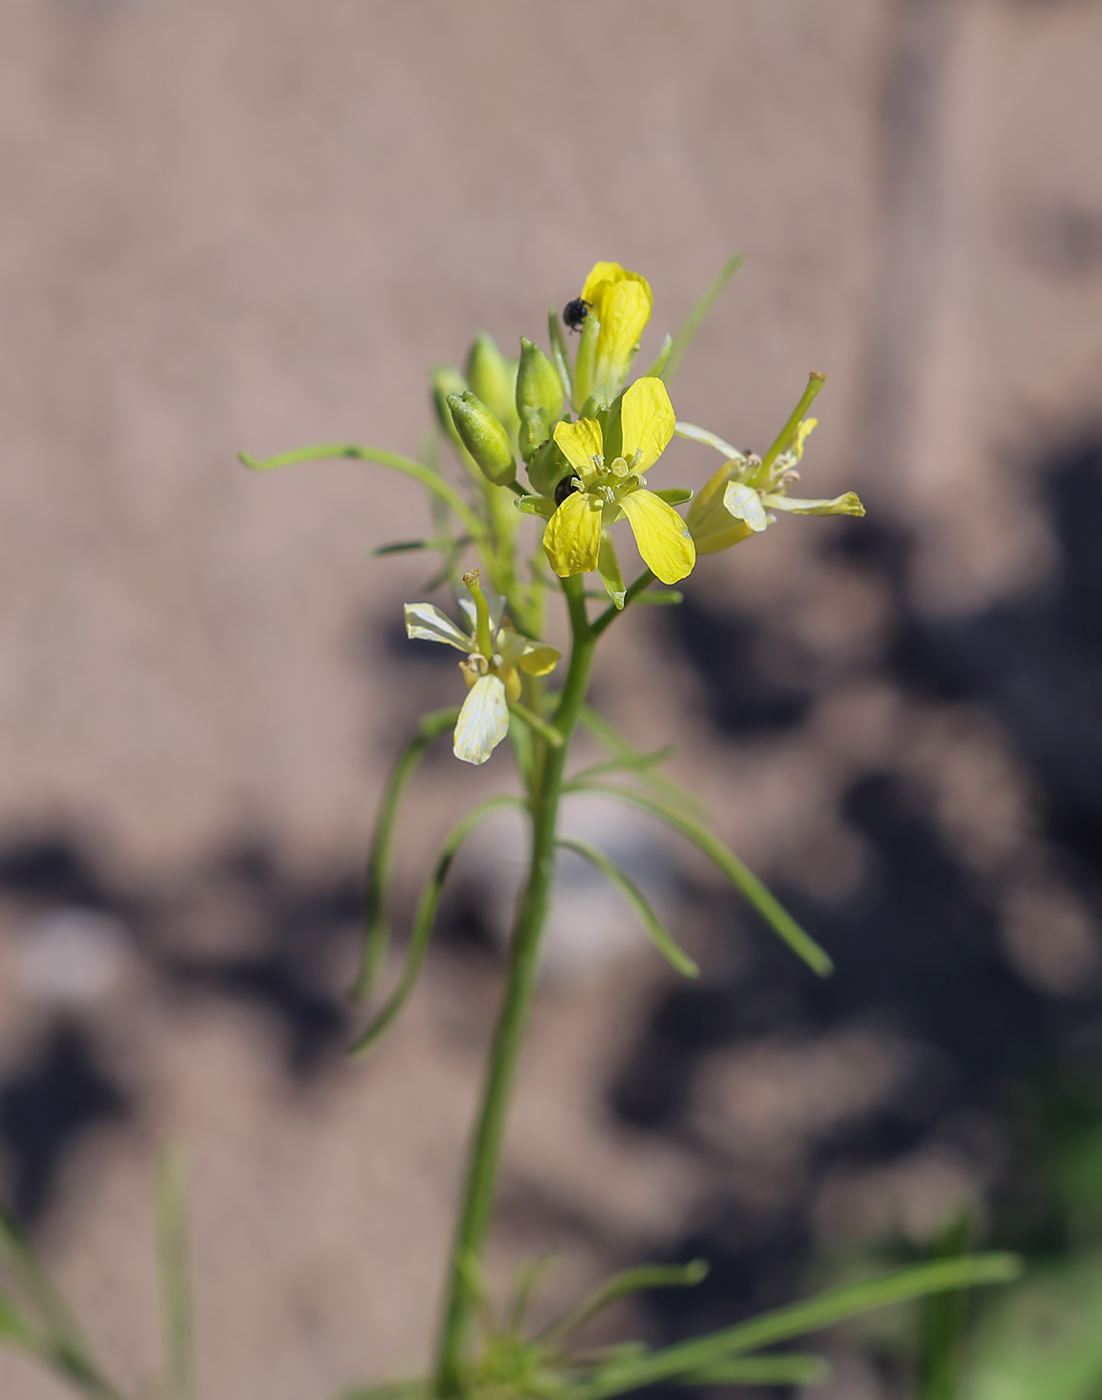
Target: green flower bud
x=547 y=468
x=493 y=378
x=446 y=380
x=483 y=437
x=539 y=398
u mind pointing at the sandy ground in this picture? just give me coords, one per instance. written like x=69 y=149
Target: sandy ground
x=226 y=225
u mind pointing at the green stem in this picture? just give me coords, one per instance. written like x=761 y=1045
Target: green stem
x=482 y=1167
x=610 y=614
x=787 y=435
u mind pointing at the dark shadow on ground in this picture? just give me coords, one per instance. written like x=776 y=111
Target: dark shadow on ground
x=918 y=945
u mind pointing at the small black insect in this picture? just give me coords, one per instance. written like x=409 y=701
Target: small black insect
x=566 y=487
x=574 y=313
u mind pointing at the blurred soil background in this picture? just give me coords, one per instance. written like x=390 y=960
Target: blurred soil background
x=228 y=225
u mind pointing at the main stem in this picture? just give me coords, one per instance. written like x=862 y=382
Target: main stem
x=482 y=1165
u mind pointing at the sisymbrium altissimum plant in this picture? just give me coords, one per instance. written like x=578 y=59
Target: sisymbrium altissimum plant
x=589 y=440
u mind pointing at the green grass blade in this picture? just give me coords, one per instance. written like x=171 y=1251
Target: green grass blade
x=329 y=451
x=702 y=1353
x=684 y=336
x=789 y=1368
x=172 y=1239
x=610 y=738
x=31 y=1278
x=622 y=1285
x=745 y=881
x=15 y=1329
x=425 y=918
x=376 y=920
x=659 y=935
x=943 y=1317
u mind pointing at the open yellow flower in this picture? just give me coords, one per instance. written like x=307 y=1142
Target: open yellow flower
x=494 y=656
x=736 y=501
x=576 y=539
x=619 y=306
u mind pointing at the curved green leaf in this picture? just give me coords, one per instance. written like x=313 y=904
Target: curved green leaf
x=677 y=958
x=749 y=886
x=684 y=1359
x=329 y=451
x=376 y=899
x=661 y=360
x=684 y=336
x=622 y=1285
x=610 y=738
x=787 y=1368
x=632 y=762
x=425 y=917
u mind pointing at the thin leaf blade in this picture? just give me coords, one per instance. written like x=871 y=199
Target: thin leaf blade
x=745 y=881
x=425 y=917
x=659 y=935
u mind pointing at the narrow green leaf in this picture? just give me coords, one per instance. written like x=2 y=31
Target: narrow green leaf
x=559 y=357
x=425 y=918
x=172 y=1233
x=641 y=1279
x=408 y=546
x=684 y=336
x=749 y=886
x=15 y=1328
x=661 y=360
x=547 y=732
x=661 y=597
x=379 y=857
x=677 y=958
x=673 y=496
x=634 y=762
x=29 y=1276
x=701 y=1353
x=789 y=1368
x=610 y=738
x=322 y=452
x=530 y=1276
x=943 y=1317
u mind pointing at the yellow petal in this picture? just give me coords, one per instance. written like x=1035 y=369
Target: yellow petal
x=624 y=310
x=648 y=420
x=847 y=504
x=603 y=280
x=579 y=443
x=661 y=534
x=538 y=660
x=573 y=535
x=715 y=540
x=603 y=274
x=483 y=721
x=803 y=432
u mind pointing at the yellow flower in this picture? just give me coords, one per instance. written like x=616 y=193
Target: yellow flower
x=737 y=500
x=494 y=655
x=619 y=307
x=577 y=537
